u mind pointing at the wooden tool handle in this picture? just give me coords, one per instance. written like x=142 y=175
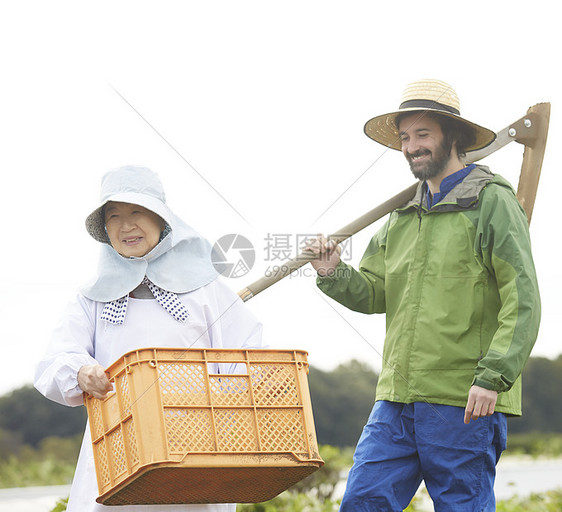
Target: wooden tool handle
x=530 y=130
x=342 y=234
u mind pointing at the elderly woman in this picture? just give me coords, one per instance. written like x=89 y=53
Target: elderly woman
x=156 y=287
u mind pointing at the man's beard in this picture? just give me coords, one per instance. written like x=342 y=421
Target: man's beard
x=433 y=167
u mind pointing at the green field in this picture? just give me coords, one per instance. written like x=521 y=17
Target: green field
x=52 y=463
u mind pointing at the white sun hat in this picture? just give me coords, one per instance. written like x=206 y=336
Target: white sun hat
x=180 y=262
x=129 y=184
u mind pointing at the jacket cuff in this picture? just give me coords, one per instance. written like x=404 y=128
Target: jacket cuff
x=339 y=272
x=484 y=384
x=489 y=379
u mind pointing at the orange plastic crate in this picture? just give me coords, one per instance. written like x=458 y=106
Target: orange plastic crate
x=180 y=428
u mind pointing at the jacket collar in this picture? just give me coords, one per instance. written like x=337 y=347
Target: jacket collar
x=463 y=196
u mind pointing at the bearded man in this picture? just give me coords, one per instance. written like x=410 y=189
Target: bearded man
x=454 y=274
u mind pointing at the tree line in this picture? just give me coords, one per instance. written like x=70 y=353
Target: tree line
x=341 y=399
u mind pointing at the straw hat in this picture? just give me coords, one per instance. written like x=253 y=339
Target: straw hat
x=424 y=96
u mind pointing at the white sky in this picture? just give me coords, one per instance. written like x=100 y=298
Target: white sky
x=266 y=101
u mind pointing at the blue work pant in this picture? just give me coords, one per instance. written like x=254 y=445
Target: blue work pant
x=403 y=444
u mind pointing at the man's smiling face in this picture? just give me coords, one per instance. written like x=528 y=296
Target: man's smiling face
x=423 y=145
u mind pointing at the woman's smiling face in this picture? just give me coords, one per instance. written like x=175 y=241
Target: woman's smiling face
x=132 y=229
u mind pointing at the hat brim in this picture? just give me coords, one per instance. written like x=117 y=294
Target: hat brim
x=383 y=130
x=95 y=222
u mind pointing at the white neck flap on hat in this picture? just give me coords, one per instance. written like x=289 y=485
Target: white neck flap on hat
x=181 y=262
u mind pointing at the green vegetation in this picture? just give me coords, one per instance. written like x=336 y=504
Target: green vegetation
x=60 y=506
x=51 y=463
x=297 y=502
x=535 y=444
x=342 y=400
x=29 y=417
x=542 y=387
x=291 y=502
x=314 y=493
x=547 y=502
x=39 y=439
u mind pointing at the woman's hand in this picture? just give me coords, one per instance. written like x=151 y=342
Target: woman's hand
x=93 y=380
x=328 y=255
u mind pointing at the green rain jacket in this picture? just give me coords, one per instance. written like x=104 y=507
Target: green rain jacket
x=458 y=285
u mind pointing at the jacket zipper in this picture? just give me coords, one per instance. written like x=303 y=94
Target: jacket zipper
x=420 y=207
